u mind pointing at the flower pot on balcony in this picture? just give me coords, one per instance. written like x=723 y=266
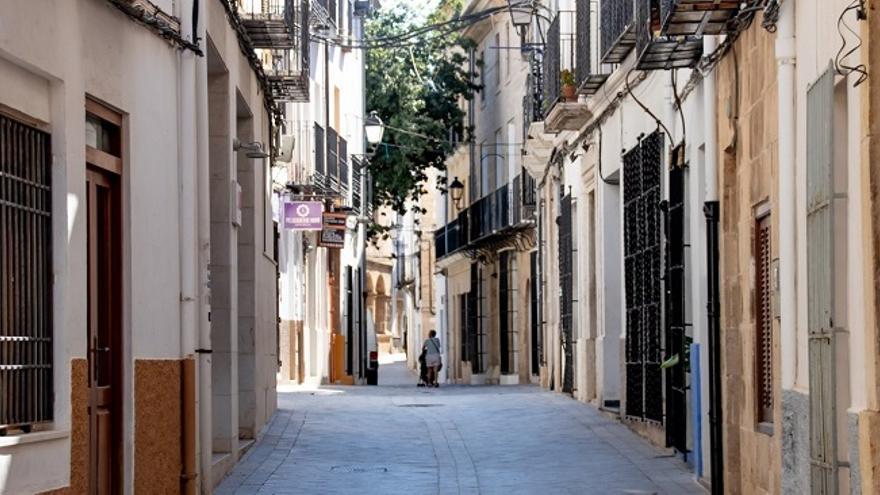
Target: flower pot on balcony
x=569 y=92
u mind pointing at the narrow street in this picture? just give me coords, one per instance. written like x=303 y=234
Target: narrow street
x=397 y=438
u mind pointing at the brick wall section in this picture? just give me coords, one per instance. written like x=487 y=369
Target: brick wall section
x=747 y=134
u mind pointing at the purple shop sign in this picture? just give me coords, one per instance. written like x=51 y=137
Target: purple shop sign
x=303 y=215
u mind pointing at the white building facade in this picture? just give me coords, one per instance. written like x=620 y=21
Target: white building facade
x=323 y=302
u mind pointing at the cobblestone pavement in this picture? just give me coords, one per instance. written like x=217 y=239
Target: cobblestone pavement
x=397 y=438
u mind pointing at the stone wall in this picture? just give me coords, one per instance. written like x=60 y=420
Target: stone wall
x=747 y=137
x=869 y=419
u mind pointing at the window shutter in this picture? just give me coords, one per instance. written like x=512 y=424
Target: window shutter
x=763 y=322
x=820 y=258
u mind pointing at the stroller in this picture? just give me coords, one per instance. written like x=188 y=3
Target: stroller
x=423 y=370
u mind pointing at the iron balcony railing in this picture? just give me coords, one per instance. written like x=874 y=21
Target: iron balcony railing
x=270 y=23
x=331 y=167
x=357 y=198
x=492 y=214
x=560 y=54
x=325 y=13
x=533 y=100
x=591 y=73
x=658 y=52
x=279 y=31
x=617 y=33
x=697 y=17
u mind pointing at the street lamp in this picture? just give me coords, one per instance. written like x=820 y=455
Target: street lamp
x=374 y=128
x=252 y=150
x=520 y=15
x=456 y=190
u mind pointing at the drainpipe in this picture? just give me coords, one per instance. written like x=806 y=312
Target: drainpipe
x=712 y=210
x=786 y=58
x=204 y=258
x=186 y=158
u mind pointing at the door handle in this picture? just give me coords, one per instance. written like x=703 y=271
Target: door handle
x=100 y=349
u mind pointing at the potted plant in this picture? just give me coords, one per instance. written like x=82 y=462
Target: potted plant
x=569 y=91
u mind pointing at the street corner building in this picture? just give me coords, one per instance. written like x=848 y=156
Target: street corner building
x=138 y=338
x=668 y=211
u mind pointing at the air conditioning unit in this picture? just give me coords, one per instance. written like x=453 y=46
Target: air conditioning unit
x=285 y=151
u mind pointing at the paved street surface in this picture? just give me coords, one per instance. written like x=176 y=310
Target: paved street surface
x=397 y=438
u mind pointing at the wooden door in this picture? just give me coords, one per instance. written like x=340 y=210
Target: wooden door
x=104 y=331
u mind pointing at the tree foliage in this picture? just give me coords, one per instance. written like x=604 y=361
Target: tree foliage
x=417 y=89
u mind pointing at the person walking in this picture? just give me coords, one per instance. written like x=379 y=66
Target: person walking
x=431 y=349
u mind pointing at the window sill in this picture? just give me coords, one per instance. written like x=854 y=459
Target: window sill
x=765 y=428
x=34 y=437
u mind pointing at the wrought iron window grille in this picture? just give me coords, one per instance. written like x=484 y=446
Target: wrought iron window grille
x=643 y=279
x=26 y=319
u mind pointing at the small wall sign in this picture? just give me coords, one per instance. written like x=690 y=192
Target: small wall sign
x=303 y=215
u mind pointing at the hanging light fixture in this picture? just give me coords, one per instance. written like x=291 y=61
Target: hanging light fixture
x=521 y=15
x=456 y=190
x=374 y=128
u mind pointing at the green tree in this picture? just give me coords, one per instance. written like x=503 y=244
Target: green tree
x=417 y=76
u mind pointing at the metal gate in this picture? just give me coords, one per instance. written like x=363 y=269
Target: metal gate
x=820 y=282
x=642 y=265
x=565 y=294
x=677 y=341
x=25 y=276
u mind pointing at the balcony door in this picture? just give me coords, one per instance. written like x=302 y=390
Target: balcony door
x=104 y=295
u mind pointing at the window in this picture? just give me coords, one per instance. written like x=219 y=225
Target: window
x=498 y=159
x=26 y=275
x=642 y=169
x=498 y=49
x=507 y=312
x=482 y=61
x=507 y=49
x=463 y=326
x=763 y=322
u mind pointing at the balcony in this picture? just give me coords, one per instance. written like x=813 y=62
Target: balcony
x=324 y=13
x=697 y=17
x=331 y=163
x=618 y=30
x=278 y=31
x=562 y=58
x=496 y=221
x=271 y=23
x=589 y=78
x=656 y=51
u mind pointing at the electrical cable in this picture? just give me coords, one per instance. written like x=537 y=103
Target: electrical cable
x=646 y=109
x=411 y=37
x=599 y=164
x=771 y=15
x=678 y=104
x=839 y=65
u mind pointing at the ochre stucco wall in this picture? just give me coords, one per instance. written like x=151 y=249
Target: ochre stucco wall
x=748 y=135
x=157 y=420
x=79 y=431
